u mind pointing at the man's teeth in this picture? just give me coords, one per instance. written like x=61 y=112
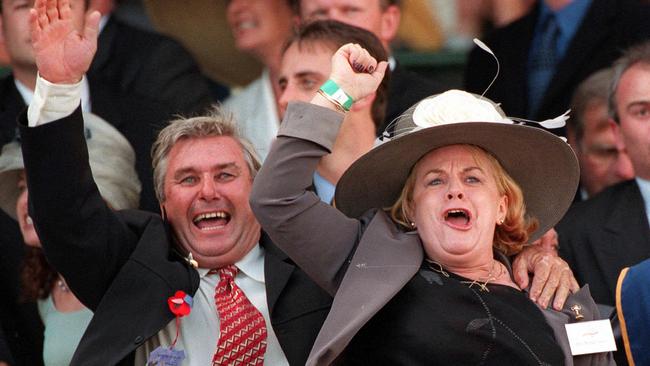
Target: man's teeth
x=211 y=215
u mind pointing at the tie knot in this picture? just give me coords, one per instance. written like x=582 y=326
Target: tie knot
x=549 y=25
x=227 y=272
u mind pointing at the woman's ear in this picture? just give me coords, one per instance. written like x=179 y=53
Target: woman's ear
x=409 y=212
x=502 y=209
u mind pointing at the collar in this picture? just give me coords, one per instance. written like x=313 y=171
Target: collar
x=392 y=63
x=28 y=94
x=324 y=188
x=252 y=265
x=644 y=187
x=102 y=22
x=568 y=18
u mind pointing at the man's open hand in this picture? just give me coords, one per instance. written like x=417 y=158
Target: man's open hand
x=63 y=54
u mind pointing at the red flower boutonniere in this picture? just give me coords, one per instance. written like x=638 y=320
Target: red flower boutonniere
x=180 y=304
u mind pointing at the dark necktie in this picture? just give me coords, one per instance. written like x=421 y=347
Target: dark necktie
x=541 y=63
x=243 y=330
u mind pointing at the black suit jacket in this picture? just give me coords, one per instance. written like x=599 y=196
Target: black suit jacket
x=150 y=65
x=405 y=89
x=607 y=29
x=122 y=264
x=601 y=236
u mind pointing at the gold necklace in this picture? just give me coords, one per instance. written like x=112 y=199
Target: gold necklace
x=481 y=282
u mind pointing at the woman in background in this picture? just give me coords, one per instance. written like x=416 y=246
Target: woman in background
x=112 y=162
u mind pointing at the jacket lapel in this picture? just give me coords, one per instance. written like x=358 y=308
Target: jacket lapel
x=276 y=271
x=625 y=236
x=135 y=306
x=385 y=260
x=628 y=221
x=104 y=46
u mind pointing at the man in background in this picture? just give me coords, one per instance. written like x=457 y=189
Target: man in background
x=602 y=161
x=548 y=52
x=306 y=65
x=149 y=64
x=382 y=18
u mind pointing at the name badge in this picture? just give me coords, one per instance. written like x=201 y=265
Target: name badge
x=166 y=356
x=590 y=337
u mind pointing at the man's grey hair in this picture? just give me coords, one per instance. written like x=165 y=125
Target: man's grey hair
x=594 y=89
x=638 y=54
x=216 y=122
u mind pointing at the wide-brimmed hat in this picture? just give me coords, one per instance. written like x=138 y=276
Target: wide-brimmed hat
x=111 y=158
x=543 y=164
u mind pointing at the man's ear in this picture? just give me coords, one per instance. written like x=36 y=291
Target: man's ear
x=620 y=143
x=363 y=103
x=390 y=23
x=163 y=213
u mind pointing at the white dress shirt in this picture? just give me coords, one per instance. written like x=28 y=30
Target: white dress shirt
x=199 y=331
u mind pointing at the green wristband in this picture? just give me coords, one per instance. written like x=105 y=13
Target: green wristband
x=332 y=89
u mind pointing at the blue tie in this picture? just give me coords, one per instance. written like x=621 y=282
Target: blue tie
x=541 y=63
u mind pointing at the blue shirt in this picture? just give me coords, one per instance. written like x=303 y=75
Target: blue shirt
x=324 y=189
x=644 y=187
x=568 y=20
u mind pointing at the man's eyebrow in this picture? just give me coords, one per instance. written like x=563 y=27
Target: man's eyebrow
x=230 y=165
x=302 y=74
x=637 y=103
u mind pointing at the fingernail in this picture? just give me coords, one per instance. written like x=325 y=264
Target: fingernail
x=371 y=69
x=357 y=67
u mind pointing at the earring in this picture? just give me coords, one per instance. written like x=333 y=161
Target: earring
x=412 y=225
x=501 y=222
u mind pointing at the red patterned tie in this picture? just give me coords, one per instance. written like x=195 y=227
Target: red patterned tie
x=243 y=330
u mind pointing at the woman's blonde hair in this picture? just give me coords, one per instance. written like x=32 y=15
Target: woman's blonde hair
x=511 y=235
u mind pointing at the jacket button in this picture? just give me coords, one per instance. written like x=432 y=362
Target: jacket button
x=138 y=340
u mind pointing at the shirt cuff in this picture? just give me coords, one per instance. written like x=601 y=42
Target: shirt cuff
x=52 y=101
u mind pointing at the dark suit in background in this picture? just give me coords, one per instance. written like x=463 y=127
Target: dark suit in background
x=122 y=264
x=608 y=27
x=601 y=236
x=405 y=89
x=150 y=65
x=20 y=323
